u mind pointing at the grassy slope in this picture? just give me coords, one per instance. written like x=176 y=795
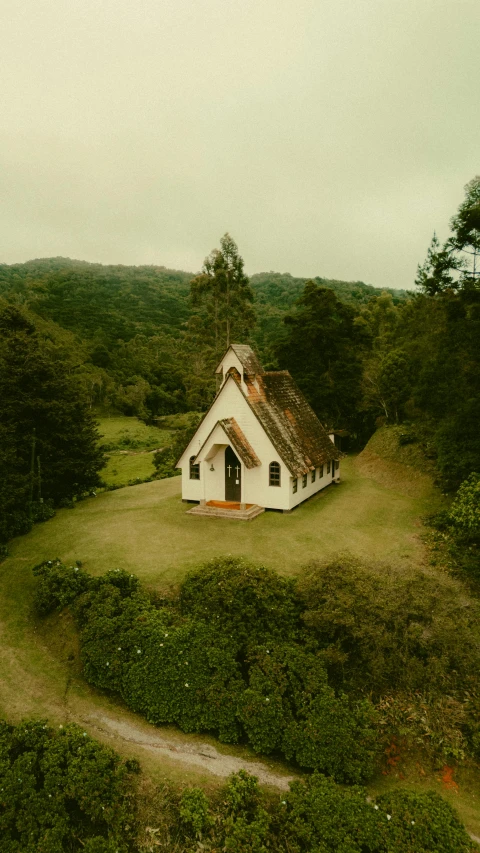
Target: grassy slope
x=146 y=529
x=131 y=445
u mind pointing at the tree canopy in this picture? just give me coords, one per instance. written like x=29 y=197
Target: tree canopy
x=222 y=298
x=49 y=446
x=322 y=349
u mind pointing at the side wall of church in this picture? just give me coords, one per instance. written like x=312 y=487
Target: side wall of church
x=304 y=492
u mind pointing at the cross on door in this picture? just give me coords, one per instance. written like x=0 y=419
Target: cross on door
x=229 y=468
x=237 y=469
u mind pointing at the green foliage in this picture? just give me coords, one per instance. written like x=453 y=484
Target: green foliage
x=221 y=299
x=321 y=348
x=288 y=666
x=394 y=384
x=60 y=790
x=167 y=457
x=435 y=274
x=58 y=585
x=465 y=510
x=466 y=232
x=193 y=813
x=249 y=602
x=239 y=669
x=276 y=294
x=49 y=447
x=317 y=816
x=460 y=252
x=391 y=630
x=410 y=640
x=124 y=326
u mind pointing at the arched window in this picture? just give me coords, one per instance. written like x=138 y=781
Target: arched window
x=194 y=469
x=274 y=474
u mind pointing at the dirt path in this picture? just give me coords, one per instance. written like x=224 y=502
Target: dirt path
x=201 y=755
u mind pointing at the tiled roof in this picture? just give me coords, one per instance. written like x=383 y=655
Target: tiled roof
x=240 y=443
x=246 y=357
x=290 y=423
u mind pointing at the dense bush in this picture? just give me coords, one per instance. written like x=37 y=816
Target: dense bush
x=48 y=436
x=60 y=790
x=391 y=631
x=465 y=510
x=250 y=602
x=208 y=672
x=58 y=585
x=316 y=816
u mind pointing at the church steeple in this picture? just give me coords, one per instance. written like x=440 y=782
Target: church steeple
x=241 y=361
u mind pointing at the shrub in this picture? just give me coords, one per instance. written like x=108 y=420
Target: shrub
x=465 y=510
x=320 y=816
x=391 y=632
x=250 y=602
x=194 y=813
x=317 y=816
x=42 y=511
x=61 y=790
x=58 y=585
x=289 y=706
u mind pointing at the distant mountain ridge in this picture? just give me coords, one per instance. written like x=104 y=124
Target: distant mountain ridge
x=117 y=302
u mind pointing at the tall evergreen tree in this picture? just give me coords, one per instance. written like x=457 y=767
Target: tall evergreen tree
x=50 y=440
x=456 y=264
x=222 y=298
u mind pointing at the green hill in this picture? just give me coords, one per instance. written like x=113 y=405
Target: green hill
x=127 y=324
x=97 y=301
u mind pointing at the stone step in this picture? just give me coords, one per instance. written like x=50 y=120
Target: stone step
x=217 y=512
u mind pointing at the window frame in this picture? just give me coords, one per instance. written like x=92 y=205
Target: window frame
x=314 y=475
x=294 y=485
x=304 y=480
x=193 y=470
x=320 y=470
x=274 y=474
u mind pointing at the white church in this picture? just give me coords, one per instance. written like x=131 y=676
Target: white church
x=259 y=446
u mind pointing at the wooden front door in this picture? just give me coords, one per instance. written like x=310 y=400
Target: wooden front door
x=233 y=476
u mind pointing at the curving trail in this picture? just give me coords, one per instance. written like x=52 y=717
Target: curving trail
x=201 y=755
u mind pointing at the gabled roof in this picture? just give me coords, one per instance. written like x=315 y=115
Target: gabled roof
x=238 y=440
x=290 y=423
x=246 y=357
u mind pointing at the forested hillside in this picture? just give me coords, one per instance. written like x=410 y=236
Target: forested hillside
x=131 y=336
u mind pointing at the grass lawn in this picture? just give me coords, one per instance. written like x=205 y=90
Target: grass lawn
x=120 y=432
x=130 y=444
x=122 y=468
x=145 y=529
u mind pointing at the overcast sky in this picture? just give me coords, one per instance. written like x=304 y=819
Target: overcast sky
x=329 y=138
